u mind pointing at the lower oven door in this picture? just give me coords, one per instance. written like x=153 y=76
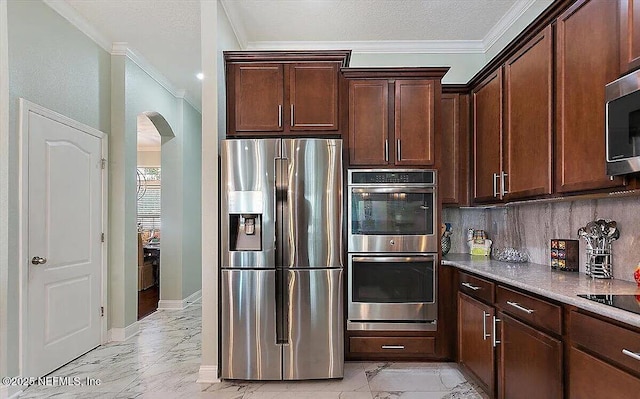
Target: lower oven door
x=392 y=292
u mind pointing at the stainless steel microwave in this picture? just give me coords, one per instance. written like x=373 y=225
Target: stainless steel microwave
x=623 y=125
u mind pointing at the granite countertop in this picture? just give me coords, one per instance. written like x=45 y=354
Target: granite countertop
x=554 y=284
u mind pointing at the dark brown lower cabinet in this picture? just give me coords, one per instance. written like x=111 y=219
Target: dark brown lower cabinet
x=530 y=362
x=475 y=345
x=592 y=378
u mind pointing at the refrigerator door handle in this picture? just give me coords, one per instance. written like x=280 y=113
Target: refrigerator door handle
x=281 y=214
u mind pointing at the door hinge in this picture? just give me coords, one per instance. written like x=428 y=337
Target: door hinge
x=101 y=237
x=101 y=311
x=103 y=163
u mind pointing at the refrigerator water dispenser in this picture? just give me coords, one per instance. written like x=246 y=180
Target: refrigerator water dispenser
x=246 y=232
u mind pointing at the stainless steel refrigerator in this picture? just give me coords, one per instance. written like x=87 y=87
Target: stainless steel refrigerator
x=281 y=259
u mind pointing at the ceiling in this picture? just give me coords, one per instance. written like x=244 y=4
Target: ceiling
x=167 y=33
x=257 y=21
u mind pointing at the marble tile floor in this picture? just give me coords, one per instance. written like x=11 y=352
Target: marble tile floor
x=163 y=360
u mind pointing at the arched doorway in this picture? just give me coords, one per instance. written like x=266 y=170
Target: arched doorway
x=150 y=129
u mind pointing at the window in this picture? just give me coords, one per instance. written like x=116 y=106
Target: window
x=148 y=198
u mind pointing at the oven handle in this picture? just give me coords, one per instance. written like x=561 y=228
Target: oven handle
x=394 y=189
x=389 y=259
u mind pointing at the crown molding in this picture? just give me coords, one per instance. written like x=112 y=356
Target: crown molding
x=511 y=17
x=70 y=14
x=238 y=29
x=117 y=48
x=377 y=46
x=123 y=49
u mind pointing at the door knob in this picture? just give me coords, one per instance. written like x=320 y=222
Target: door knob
x=36 y=260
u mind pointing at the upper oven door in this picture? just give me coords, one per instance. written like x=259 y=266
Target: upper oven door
x=392 y=219
x=386 y=288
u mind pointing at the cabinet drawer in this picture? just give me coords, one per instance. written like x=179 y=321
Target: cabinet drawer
x=605 y=339
x=393 y=345
x=477 y=287
x=535 y=311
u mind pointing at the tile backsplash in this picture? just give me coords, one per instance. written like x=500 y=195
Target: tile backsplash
x=532 y=226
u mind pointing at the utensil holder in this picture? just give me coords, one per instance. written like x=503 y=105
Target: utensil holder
x=599 y=263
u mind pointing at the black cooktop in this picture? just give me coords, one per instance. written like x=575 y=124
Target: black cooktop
x=624 y=302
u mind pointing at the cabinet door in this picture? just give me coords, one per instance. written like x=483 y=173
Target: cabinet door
x=592 y=378
x=257 y=99
x=530 y=361
x=487 y=138
x=475 y=345
x=528 y=123
x=629 y=35
x=453 y=141
x=414 y=122
x=313 y=91
x=368 y=122
x=449 y=165
x=587 y=59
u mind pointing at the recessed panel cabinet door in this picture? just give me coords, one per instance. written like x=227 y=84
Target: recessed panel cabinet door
x=487 y=138
x=369 y=122
x=586 y=60
x=313 y=89
x=629 y=34
x=530 y=361
x=258 y=98
x=475 y=345
x=414 y=122
x=449 y=168
x=528 y=124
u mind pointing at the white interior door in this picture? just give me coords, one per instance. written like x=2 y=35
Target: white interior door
x=64 y=247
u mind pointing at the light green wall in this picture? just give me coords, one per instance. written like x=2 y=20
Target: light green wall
x=226 y=40
x=52 y=64
x=463 y=66
x=135 y=92
x=191 y=202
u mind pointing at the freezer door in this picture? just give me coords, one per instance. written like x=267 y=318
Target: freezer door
x=248 y=202
x=314 y=347
x=249 y=348
x=313 y=211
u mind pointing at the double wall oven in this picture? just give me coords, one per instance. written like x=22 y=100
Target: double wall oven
x=393 y=249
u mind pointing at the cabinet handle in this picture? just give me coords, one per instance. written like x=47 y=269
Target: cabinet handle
x=495 y=185
x=503 y=182
x=471 y=287
x=393 y=347
x=291 y=115
x=280 y=115
x=399 y=151
x=484 y=325
x=520 y=307
x=631 y=354
x=495 y=339
x=386 y=150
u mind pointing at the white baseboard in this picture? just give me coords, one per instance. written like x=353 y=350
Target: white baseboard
x=10 y=392
x=123 y=334
x=169 y=304
x=208 y=375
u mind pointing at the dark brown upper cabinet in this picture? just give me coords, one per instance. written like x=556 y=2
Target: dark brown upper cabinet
x=488 y=173
x=528 y=119
x=284 y=93
x=393 y=114
x=453 y=142
x=587 y=58
x=629 y=35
